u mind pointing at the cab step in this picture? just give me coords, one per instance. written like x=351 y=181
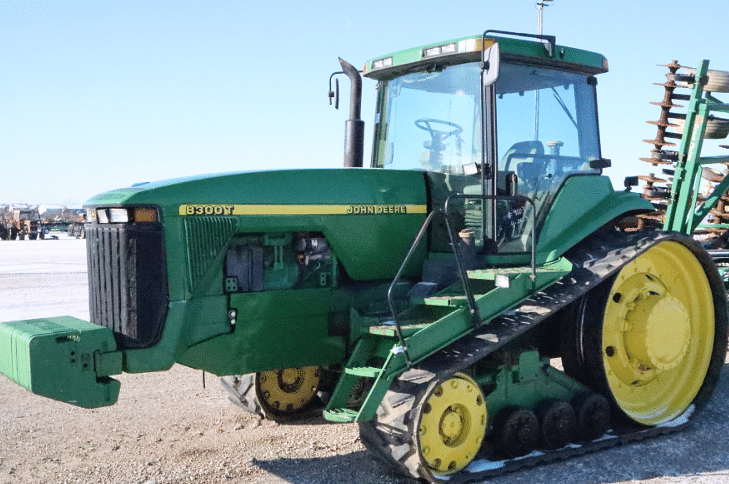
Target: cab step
x=365 y=371
x=390 y=331
x=451 y=300
x=341 y=415
x=503 y=276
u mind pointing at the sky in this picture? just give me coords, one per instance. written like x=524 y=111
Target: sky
x=100 y=95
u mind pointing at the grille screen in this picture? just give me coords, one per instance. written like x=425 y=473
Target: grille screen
x=127 y=281
x=206 y=238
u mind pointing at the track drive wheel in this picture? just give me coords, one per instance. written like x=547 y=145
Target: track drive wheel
x=276 y=394
x=428 y=428
x=653 y=338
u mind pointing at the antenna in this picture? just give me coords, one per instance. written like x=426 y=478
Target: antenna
x=540 y=5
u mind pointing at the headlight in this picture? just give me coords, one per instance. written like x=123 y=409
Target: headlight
x=101 y=216
x=118 y=215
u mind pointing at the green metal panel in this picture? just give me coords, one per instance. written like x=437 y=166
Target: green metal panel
x=528 y=384
x=188 y=322
x=63 y=358
x=583 y=204
x=276 y=329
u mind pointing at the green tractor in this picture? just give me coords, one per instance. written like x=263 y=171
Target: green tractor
x=472 y=297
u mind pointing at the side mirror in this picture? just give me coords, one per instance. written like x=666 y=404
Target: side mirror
x=630 y=182
x=334 y=94
x=490 y=64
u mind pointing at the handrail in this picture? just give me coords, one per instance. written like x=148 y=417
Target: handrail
x=462 y=273
x=532 y=237
x=473 y=309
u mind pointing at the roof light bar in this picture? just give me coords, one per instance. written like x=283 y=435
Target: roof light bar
x=380 y=63
x=450 y=48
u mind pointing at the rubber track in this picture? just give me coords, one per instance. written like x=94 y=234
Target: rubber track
x=242 y=392
x=388 y=437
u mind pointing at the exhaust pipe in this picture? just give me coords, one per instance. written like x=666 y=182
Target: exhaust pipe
x=354 y=126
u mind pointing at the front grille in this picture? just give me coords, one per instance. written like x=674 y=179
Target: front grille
x=127 y=281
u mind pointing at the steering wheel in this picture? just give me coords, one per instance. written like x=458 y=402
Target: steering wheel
x=437 y=137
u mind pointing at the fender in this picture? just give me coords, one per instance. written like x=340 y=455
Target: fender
x=573 y=216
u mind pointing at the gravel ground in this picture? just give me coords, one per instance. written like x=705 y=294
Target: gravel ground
x=168 y=428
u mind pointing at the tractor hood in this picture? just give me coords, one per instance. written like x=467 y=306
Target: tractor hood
x=284 y=187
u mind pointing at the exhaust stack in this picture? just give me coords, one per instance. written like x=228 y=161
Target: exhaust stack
x=354 y=126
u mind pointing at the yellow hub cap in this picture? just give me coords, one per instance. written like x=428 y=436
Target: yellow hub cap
x=290 y=389
x=658 y=333
x=452 y=425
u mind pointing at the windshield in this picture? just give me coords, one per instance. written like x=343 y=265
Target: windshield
x=546 y=131
x=431 y=120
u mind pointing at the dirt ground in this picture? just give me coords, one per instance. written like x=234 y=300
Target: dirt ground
x=168 y=428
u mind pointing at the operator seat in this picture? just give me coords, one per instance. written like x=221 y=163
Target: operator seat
x=528 y=167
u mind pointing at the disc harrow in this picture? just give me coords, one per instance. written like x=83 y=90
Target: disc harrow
x=671 y=126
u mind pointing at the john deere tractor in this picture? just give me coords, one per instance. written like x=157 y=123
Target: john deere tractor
x=472 y=297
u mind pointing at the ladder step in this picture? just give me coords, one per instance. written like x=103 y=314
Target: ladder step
x=490 y=274
x=450 y=301
x=366 y=371
x=340 y=415
x=389 y=329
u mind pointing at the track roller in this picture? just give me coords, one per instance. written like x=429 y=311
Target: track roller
x=558 y=423
x=517 y=432
x=592 y=414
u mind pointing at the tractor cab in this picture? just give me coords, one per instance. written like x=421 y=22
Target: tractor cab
x=481 y=117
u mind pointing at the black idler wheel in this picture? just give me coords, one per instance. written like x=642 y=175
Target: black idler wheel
x=517 y=433
x=558 y=423
x=592 y=411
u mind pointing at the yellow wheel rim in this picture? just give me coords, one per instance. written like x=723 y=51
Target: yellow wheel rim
x=658 y=333
x=452 y=425
x=289 y=390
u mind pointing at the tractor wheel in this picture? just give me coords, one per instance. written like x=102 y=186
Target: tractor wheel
x=427 y=428
x=653 y=338
x=718 y=81
x=451 y=425
x=277 y=394
x=289 y=391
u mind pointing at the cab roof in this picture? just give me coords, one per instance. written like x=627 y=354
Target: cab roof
x=539 y=52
